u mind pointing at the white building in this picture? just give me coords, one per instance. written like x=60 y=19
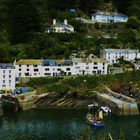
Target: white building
x=82 y=66
x=60 y=27
x=28 y=68
x=111 y=55
x=109 y=17
x=7 y=77
x=76 y=66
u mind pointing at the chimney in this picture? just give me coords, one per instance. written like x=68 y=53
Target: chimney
x=65 y=21
x=54 y=21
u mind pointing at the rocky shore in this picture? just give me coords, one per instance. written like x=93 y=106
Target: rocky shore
x=69 y=101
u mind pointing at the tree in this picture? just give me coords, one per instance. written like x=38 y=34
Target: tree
x=127 y=36
x=133 y=23
x=22 y=19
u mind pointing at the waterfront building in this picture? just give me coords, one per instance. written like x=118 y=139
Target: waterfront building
x=28 y=68
x=75 y=66
x=112 y=55
x=83 y=66
x=62 y=27
x=104 y=17
x=57 y=68
x=7 y=77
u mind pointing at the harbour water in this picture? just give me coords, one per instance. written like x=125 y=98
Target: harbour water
x=62 y=124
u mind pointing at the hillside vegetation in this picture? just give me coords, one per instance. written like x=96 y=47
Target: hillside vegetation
x=23 y=25
x=85 y=85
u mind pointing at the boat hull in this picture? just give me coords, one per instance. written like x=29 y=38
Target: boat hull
x=96 y=124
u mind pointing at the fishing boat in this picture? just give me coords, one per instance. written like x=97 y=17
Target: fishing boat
x=96 y=120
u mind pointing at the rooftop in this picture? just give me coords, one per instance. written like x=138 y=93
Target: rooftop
x=111 y=14
x=29 y=62
x=63 y=25
x=6 y=66
x=121 y=51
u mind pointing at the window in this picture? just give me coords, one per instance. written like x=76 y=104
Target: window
x=26 y=74
x=27 y=65
x=3 y=76
x=19 y=65
x=77 y=67
x=9 y=71
x=34 y=65
x=3 y=85
x=67 y=69
x=48 y=74
x=95 y=67
x=19 y=69
x=3 y=71
x=87 y=67
x=3 y=81
x=10 y=76
x=95 y=63
x=27 y=69
x=103 y=67
x=69 y=73
x=19 y=74
x=9 y=81
x=76 y=63
x=47 y=69
x=94 y=72
x=35 y=70
x=58 y=69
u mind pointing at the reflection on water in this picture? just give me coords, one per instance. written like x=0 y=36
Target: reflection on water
x=61 y=125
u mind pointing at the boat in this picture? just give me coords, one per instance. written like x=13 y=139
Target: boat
x=106 y=110
x=90 y=106
x=96 y=121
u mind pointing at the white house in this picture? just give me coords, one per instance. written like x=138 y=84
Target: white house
x=111 y=55
x=57 y=67
x=60 y=27
x=76 y=66
x=7 y=77
x=83 y=66
x=28 y=68
x=109 y=17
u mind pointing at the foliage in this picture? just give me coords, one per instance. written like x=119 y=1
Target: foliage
x=133 y=23
x=22 y=20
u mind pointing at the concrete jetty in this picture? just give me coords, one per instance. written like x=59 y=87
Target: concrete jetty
x=118 y=106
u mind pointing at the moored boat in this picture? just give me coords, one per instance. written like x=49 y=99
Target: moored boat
x=96 y=121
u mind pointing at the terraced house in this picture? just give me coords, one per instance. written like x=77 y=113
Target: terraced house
x=112 y=55
x=7 y=77
x=75 y=66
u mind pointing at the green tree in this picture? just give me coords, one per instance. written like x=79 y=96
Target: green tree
x=22 y=20
x=127 y=36
x=133 y=23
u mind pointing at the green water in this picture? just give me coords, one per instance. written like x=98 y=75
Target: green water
x=58 y=124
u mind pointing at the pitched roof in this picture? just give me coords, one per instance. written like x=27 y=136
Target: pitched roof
x=110 y=14
x=120 y=51
x=29 y=62
x=6 y=66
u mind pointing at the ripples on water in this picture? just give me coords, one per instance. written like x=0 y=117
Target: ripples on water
x=61 y=125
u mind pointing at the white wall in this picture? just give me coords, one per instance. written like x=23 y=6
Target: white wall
x=7 y=79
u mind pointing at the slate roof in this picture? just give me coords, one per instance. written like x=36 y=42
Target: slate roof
x=110 y=14
x=6 y=66
x=121 y=51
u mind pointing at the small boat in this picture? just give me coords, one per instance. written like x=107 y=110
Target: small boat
x=106 y=110
x=96 y=121
x=90 y=106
